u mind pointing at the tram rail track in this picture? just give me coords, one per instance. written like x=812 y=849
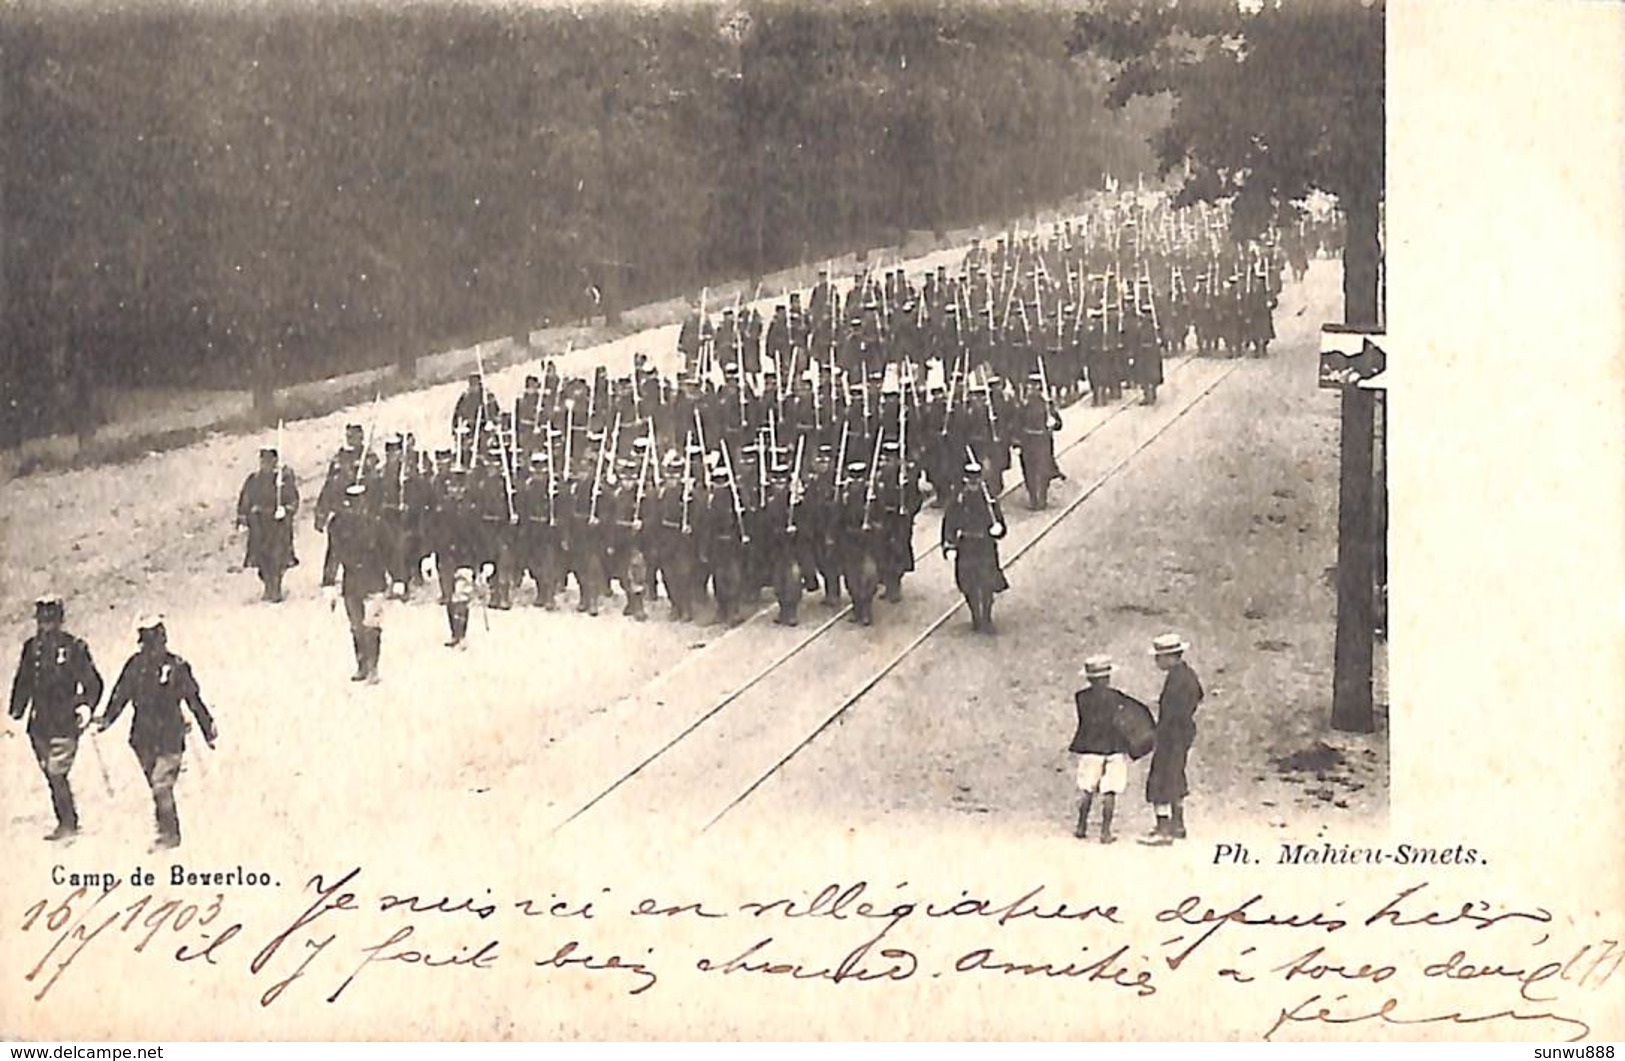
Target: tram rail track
x=747 y=697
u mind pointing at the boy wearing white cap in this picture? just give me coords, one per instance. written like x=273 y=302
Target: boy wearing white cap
x=1166 y=786
x=1112 y=728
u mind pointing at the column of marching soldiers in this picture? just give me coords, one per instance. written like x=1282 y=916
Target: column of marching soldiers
x=787 y=454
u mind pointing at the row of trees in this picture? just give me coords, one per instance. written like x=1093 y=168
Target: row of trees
x=214 y=194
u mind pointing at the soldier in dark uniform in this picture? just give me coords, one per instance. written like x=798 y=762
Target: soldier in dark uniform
x=676 y=549
x=158 y=682
x=539 y=532
x=530 y=411
x=631 y=505
x=779 y=340
x=498 y=519
x=972 y=524
x=722 y=544
x=586 y=538
x=393 y=516
x=728 y=341
x=475 y=409
x=899 y=500
x=356 y=538
x=1145 y=346
x=1037 y=421
x=55 y=679
x=781 y=543
x=266 y=506
x=1102 y=742
x=342 y=470
x=455 y=524
x=859 y=540
x=1166 y=785
x=823 y=521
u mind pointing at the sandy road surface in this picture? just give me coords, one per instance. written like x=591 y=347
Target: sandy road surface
x=1224 y=529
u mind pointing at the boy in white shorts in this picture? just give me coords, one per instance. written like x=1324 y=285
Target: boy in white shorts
x=1101 y=744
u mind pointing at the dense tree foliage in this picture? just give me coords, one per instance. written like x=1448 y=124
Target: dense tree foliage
x=1272 y=100
x=209 y=193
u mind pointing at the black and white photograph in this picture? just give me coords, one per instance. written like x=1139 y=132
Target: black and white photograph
x=784 y=520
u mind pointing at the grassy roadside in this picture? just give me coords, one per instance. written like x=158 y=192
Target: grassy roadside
x=306 y=401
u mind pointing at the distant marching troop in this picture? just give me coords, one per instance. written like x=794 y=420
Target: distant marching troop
x=788 y=453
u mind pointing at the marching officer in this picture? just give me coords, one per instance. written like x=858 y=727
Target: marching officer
x=972 y=524
x=266 y=506
x=355 y=535
x=343 y=469
x=55 y=679
x=158 y=682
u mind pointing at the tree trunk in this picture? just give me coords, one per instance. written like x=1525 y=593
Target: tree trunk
x=1352 y=669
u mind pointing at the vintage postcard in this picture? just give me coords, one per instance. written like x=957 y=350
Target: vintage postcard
x=775 y=520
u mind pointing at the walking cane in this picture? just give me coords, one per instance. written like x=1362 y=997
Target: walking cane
x=101 y=764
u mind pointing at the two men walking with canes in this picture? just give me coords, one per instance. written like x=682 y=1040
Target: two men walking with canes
x=57 y=687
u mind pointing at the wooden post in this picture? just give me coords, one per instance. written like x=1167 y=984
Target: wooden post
x=1352 y=709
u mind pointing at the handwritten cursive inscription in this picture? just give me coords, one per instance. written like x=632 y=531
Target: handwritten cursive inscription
x=1480 y=964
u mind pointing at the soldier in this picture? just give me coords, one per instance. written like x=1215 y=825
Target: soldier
x=586 y=533
x=540 y=545
x=454 y=525
x=972 y=524
x=779 y=339
x=342 y=470
x=1145 y=346
x=55 y=679
x=498 y=519
x=675 y=550
x=356 y=538
x=822 y=521
x=728 y=341
x=690 y=338
x=530 y=412
x=1112 y=728
x=158 y=682
x=780 y=539
x=899 y=501
x=1037 y=421
x=723 y=542
x=475 y=408
x=859 y=540
x=631 y=558
x=394 y=516
x=266 y=506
